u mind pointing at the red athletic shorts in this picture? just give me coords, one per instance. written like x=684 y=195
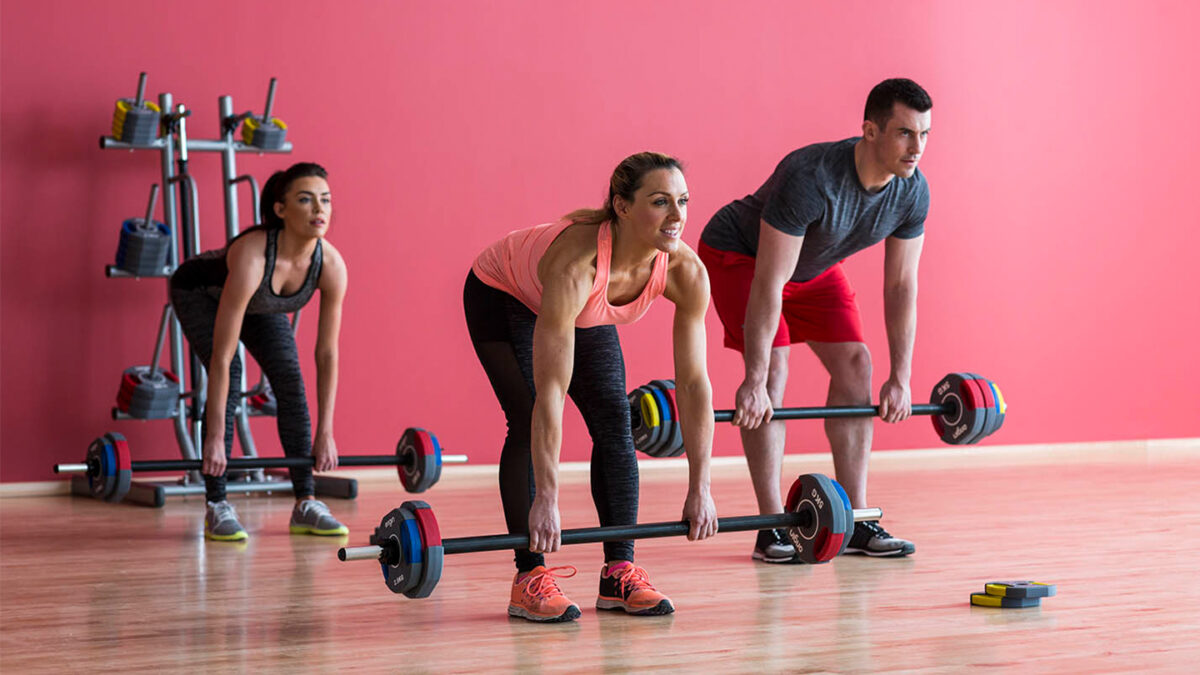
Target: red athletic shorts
x=819 y=310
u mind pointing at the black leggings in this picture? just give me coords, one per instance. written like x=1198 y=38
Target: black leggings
x=269 y=339
x=502 y=331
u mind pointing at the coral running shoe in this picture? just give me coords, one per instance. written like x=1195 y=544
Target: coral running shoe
x=537 y=597
x=626 y=586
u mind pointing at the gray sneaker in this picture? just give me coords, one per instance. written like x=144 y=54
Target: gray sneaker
x=871 y=539
x=221 y=522
x=312 y=517
x=773 y=546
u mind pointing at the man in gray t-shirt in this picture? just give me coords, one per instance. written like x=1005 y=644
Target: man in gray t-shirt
x=774 y=260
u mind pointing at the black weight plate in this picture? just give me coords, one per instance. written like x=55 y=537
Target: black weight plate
x=1020 y=589
x=808 y=495
x=965 y=420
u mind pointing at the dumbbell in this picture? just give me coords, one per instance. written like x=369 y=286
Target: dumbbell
x=143 y=244
x=418 y=461
x=965 y=408
x=409 y=547
x=136 y=120
x=265 y=132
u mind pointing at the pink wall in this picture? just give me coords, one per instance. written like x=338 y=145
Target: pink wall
x=1060 y=252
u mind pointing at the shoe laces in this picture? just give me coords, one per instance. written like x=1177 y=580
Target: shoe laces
x=222 y=511
x=632 y=578
x=544 y=585
x=314 y=505
x=875 y=529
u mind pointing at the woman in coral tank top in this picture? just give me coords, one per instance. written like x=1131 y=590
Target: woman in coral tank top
x=542 y=305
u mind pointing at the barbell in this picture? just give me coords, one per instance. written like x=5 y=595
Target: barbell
x=965 y=408
x=418 y=461
x=409 y=547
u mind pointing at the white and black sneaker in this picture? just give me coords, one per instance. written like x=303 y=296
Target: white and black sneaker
x=871 y=539
x=773 y=546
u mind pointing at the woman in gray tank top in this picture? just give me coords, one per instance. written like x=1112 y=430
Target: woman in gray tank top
x=245 y=292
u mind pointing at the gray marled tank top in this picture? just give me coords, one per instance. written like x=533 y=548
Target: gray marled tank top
x=207 y=272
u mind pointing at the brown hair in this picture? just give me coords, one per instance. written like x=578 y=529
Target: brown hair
x=626 y=180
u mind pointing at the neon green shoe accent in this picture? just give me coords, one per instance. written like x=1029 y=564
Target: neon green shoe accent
x=312 y=517
x=305 y=529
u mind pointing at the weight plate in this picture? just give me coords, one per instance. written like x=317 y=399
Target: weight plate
x=431 y=535
x=399 y=534
x=430 y=457
x=1001 y=406
x=964 y=420
x=635 y=420
x=102 y=470
x=646 y=430
x=437 y=453
x=808 y=496
x=837 y=523
x=667 y=421
x=1020 y=589
x=841 y=491
x=673 y=445
x=652 y=413
x=124 y=464
x=417 y=459
x=985 y=600
x=988 y=408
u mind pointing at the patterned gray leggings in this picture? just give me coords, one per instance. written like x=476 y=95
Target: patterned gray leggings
x=268 y=338
x=502 y=331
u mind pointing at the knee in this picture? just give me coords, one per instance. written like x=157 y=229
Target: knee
x=852 y=370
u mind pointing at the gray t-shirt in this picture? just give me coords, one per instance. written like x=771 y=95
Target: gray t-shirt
x=815 y=193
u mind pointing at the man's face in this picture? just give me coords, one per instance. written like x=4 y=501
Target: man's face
x=899 y=146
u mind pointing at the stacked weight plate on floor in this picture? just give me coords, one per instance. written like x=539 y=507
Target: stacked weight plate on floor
x=412 y=542
x=420 y=459
x=108 y=472
x=148 y=393
x=263 y=134
x=1013 y=594
x=143 y=248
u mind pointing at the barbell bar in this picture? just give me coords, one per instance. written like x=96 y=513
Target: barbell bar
x=818 y=519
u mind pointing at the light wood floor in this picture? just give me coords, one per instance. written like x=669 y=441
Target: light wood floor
x=87 y=585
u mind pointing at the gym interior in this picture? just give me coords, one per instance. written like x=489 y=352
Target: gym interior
x=1056 y=275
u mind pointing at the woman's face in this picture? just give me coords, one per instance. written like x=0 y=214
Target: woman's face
x=658 y=211
x=307 y=207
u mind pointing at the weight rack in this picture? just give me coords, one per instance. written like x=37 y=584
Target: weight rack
x=190 y=406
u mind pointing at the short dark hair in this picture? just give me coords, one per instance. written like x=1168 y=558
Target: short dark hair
x=277 y=186
x=888 y=92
